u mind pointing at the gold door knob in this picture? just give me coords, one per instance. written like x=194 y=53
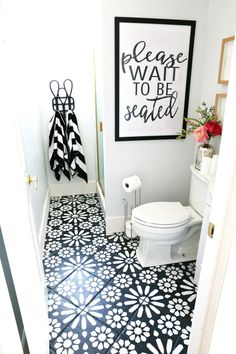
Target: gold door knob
x=32 y=179
x=211 y=229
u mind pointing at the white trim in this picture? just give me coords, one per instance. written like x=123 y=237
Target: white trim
x=223 y=335
x=9 y=336
x=60 y=189
x=114 y=224
x=42 y=231
x=101 y=196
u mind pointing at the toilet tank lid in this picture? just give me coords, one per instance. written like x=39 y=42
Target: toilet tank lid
x=162 y=213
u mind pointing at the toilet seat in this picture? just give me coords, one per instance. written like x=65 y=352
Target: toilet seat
x=161 y=215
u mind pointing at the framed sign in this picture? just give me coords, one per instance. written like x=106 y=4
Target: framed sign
x=225 y=59
x=153 y=59
x=220 y=100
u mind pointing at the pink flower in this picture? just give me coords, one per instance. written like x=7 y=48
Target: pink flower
x=200 y=134
x=213 y=128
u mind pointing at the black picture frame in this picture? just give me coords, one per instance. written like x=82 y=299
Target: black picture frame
x=153 y=61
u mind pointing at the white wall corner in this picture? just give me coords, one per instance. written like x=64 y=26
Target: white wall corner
x=42 y=231
x=101 y=197
x=60 y=189
x=114 y=224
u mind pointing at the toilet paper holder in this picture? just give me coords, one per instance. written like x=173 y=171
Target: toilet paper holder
x=137 y=200
x=131 y=184
x=128 y=233
x=127 y=222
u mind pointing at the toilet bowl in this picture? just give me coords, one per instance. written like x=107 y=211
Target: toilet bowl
x=169 y=232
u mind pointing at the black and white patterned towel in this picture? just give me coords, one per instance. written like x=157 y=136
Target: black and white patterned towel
x=76 y=154
x=58 y=147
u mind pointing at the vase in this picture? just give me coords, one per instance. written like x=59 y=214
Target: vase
x=203 y=150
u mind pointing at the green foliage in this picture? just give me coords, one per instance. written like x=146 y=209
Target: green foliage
x=206 y=114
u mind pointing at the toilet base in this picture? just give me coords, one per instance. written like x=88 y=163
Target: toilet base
x=150 y=253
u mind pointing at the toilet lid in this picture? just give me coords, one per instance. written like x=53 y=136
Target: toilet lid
x=162 y=213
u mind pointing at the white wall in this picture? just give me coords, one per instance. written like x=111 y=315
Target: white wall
x=19 y=49
x=66 y=52
x=221 y=23
x=49 y=40
x=163 y=165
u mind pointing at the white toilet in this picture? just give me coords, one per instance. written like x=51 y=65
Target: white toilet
x=169 y=232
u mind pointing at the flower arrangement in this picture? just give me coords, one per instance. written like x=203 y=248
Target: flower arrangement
x=203 y=128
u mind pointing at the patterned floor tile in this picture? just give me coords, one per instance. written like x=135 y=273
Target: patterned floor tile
x=74 y=239
x=80 y=285
x=109 y=307
x=183 y=340
x=84 y=335
x=111 y=257
x=150 y=322
x=58 y=314
x=100 y=299
x=163 y=345
x=126 y=261
x=126 y=345
x=58 y=269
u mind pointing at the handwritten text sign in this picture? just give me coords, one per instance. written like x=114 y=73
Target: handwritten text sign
x=153 y=66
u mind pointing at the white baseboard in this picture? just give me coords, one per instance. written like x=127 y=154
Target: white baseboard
x=42 y=231
x=59 y=189
x=114 y=224
x=101 y=197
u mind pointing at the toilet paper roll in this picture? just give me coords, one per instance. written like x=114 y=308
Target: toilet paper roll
x=206 y=165
x=131 y=184
x=214 y=162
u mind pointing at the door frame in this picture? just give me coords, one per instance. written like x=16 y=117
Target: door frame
x=222 y=215
x=8 y=328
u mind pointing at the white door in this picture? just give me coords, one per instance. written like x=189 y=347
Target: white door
x=21 y=248
x=218 y=248
x=19 y=238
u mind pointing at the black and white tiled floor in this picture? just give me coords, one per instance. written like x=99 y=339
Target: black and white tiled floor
x=100 y=299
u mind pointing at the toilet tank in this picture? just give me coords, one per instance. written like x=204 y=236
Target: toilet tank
x=198 y=190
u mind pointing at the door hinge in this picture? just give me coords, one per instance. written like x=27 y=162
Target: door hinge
x=211 y=229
